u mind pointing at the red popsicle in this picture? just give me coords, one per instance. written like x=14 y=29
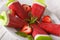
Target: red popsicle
x=16 y=6
x=16 y=22
x=51 y=28
x=37 y=10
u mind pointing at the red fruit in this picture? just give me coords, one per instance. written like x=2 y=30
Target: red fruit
x=16 y=6
x=51 y=28
x=37 y=30
x=46 y=19
x=37 y=10
x=16 y=22
x=27 y=29
x=27 y=8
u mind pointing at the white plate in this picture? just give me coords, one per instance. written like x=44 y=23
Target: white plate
x=53 y=9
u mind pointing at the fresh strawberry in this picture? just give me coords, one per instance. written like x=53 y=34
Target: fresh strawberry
x=16 y=22
x=27 y=29
x=46 y=19
x=27 y=8
x=37 y=10
x=50 y=28
x=16 y=6
x=37 y=30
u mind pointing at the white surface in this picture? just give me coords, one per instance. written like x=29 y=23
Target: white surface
x=52 y=8
x=55 y=37
x=1 y=31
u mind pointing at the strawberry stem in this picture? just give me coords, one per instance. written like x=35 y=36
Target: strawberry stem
x=33 y=20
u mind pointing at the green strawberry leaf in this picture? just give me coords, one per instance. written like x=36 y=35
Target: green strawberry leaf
x=33 y=20
x=30 y=37
x=21 y=34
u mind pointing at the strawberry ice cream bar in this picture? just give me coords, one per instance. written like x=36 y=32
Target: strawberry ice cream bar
x=16 y=22
x=39 y=34
x=38 y=9
x=51 y=28
x=16 y=6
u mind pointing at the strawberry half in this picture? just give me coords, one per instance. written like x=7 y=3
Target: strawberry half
x=27 y=8
x=27 y=29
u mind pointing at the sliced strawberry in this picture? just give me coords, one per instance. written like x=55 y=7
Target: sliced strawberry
x=46 y=19
x=27 y=29
x=27 y=8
